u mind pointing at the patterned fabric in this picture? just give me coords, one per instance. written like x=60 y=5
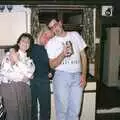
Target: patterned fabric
x=2 y=109
x=21 y=71
x=87 y=32
x=35 y=25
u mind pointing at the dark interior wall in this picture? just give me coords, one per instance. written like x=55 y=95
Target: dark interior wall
x=106 y=22
x=104 y=51
x=85 y=2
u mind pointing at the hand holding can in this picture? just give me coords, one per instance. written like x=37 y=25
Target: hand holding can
x=69 y=48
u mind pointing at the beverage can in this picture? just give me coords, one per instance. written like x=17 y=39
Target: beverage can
x=69 y=45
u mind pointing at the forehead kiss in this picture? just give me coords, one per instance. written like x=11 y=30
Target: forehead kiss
x=45 y=36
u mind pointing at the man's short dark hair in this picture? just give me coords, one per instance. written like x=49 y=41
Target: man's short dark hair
x=49 y=19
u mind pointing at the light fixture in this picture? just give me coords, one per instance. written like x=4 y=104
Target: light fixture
x=9 y=7
x=2 y=7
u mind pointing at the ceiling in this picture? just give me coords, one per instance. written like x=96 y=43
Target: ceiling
x=85 y=2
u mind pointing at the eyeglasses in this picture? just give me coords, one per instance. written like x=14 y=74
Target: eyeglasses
x=54 y=26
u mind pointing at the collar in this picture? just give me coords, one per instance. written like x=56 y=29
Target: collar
x=22 y=54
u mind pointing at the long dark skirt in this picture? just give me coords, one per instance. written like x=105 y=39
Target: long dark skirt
x=17 y=100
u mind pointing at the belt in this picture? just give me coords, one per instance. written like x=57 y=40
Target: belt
x=7 y=81
x=11 y=81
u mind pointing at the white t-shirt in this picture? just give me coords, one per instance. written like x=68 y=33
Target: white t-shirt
x=55 y=46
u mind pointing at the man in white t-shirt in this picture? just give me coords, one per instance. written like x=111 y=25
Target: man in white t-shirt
x=67 y=56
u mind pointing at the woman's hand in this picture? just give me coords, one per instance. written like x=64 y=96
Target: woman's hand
x=13 y=56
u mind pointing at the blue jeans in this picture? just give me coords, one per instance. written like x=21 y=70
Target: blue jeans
x=68 y=95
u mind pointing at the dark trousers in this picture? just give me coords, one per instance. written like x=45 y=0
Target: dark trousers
x=41 y=91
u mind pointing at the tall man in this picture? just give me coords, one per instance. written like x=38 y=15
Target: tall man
x=67 y=56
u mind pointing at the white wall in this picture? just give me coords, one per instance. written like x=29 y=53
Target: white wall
x=111 y=57
x=13 y=23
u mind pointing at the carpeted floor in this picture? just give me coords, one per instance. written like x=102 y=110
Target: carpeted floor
x=108 y=116
x=108 y=103
x=108 y=97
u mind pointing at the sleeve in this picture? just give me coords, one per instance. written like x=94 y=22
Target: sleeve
x=49 y=50
x=7 y=71
x=54 y=48
x=81 y=43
